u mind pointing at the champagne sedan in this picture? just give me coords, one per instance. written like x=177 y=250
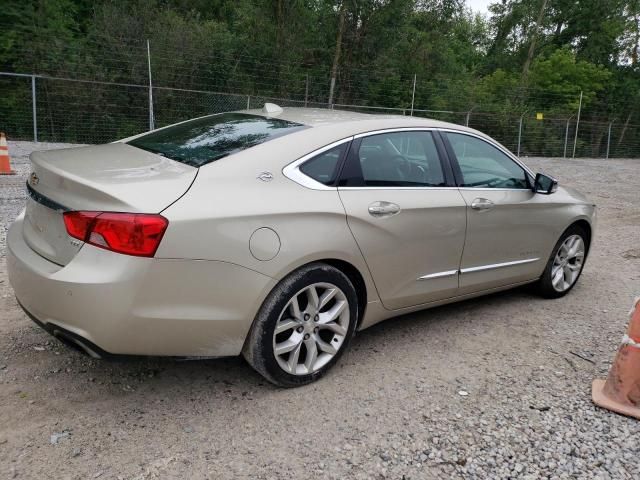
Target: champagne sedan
x=278 y=233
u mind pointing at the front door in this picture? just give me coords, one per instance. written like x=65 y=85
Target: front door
x=406 y=216
x=506 y=234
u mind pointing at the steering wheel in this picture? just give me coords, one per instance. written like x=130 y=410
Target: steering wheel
x=488 y=183
x=494 y=182
x=502 y=183
x=421 y=174
x=403 y=168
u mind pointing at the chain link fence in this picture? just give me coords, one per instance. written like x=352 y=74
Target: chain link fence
x=53 y=109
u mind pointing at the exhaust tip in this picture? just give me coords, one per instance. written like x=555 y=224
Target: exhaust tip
x=75 y=343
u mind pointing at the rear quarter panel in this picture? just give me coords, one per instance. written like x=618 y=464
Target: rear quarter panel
x=227 y=203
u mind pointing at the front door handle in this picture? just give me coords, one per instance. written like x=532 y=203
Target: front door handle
x=482 y=204
x=383 y=209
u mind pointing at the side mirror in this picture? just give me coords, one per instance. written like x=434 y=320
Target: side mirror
x=545 y=184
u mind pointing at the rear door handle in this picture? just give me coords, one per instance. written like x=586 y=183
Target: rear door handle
x=383 y=209
x=482 y=204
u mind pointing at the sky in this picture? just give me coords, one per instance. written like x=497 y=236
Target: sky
x=479 y=5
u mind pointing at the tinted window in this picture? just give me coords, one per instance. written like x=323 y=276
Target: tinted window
x=323 y=168
x=402 y=159
x=484 y=166
x=204 y=140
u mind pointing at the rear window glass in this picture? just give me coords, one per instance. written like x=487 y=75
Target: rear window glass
x=205 y=140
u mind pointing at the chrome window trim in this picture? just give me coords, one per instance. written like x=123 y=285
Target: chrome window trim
x=491 y=142
x=394 y=130
x=486 y=189
x=448 y=273
x=439 y=188
x=498 y=265
x=452 y=130
x=397 y=188
x=292 y=171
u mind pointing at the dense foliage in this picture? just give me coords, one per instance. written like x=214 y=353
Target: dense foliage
x=525 y=57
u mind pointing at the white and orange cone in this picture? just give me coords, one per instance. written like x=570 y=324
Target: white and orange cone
x=621 y=391
x=5 y=161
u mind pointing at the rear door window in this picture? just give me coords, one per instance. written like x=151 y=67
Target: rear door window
x=396 y=159
x=205 y=140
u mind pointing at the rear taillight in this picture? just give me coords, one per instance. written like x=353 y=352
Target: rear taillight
x=136 y=234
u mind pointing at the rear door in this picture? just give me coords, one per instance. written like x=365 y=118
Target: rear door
x=405 y=214
x=506 y=235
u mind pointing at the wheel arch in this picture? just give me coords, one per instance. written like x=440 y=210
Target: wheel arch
x=344 y=266
x=356 y=278
x=586 y=226
x=353 y=273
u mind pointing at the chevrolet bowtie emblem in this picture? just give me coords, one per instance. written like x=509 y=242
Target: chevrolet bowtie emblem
x=265 y=176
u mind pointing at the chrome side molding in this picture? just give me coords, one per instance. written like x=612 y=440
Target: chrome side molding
x=498 y=265
x=480 y=268
x=448 y=273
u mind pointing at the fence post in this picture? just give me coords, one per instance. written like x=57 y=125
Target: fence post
x=608 y=140
x=331 y=87
x=413 y=95
x=151 y=116
x=575 y=140
x=466 y=122
x=248 y=102
x=519 y=134
x=306 y=91
x=34 y=108
x=566 y=138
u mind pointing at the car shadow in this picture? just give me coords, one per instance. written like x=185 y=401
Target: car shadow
x=233 y=376
x=450 y=313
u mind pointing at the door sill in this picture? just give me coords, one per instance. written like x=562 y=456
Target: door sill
x=373 y=316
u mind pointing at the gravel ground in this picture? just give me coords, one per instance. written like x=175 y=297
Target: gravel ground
x=497 y=387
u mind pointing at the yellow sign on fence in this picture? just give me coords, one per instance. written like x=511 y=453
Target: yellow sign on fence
x=539 y=116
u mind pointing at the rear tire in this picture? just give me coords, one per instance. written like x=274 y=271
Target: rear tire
x=315 y=311
x=565 y=264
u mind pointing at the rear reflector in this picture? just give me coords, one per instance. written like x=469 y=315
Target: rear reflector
x=136 y=234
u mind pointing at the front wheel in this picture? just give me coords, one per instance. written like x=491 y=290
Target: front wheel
x=303 y=326
x=565 y=264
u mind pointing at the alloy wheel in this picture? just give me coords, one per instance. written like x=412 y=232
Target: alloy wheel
x=311 y=329
x=567 y=263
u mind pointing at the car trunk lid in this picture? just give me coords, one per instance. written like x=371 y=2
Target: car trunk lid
x=109 y=178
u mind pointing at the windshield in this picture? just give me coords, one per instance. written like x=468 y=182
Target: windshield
x=205 y=140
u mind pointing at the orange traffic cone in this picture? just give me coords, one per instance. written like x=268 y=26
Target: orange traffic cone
x=5 y=161
x=621 y=392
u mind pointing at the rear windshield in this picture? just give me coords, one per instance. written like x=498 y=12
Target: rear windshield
x=205 y=140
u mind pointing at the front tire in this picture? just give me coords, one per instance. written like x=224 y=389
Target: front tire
x=565 y=263
x=303 y=327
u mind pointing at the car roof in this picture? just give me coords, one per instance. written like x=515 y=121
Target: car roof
x=352 y=123
x=338 y=123
x=317 y=116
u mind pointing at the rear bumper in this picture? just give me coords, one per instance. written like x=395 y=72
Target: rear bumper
x=69 y=338
x=128 y=305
